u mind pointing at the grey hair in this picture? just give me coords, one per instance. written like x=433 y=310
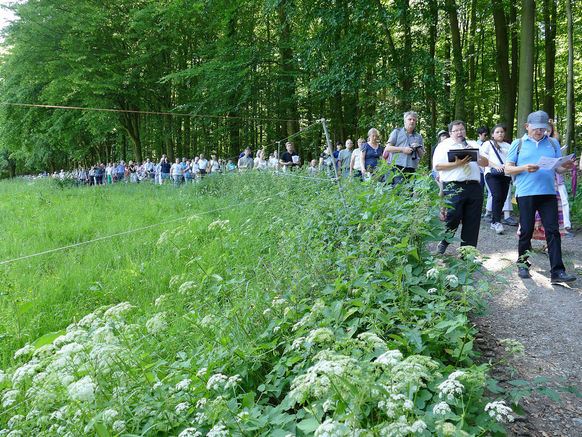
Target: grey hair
x=412 y=113
x=456 y=123
x=373 y=131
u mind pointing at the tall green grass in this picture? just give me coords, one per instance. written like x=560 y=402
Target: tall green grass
x=283 y=314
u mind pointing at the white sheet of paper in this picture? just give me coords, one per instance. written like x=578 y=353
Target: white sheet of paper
x=546 y=163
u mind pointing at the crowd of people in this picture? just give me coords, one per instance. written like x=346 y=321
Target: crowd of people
x=463 y=169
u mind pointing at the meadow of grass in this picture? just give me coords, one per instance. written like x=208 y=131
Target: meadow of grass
x=280 y=314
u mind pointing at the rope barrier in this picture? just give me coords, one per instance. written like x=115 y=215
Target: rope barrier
x=134 y=111
x=107 y=237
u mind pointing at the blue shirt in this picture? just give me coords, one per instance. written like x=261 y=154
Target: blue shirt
x=540 y=182
x=372 y=155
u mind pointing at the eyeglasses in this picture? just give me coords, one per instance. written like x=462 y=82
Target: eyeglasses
x=458 y=130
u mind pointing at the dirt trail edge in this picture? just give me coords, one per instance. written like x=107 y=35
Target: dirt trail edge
x=546 y=319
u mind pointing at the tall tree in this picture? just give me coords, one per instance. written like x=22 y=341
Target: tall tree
x=526 y=64
x=460 y=79
x=570 y=114
x=550 y=24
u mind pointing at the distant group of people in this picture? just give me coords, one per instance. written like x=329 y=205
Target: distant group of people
x=461 y=167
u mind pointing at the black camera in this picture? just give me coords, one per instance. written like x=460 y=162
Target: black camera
x=414 y=154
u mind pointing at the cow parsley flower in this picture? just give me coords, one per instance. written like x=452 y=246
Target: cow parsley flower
x=452 y=280
x=232 y=382
x=109 y=415
x=190 y=432
x=116 y=312
x=160 y=300
x=182 y=406
x=450 y=388
x=389 y=358
x=15 y=420
x=202 y=372
x=201 y=403
x=26 y=350
x=119 y=426
x=500 y=411
x=157 y=323
x=216 y=381
x=187 y=287
x=83 y=390
x=441 y=408
x=432 y=274
x=331 y=428
x=200 y=418
x=297 y=343
x=373 y=340
x=243 y=416
x=219 y=430
x=431 y=290
x=183 y=385
x=320 y=335
x=91 y=320
x=9 y=398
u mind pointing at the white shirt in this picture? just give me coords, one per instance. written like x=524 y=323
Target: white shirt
x=202 y=164
x=457 y=174
x=357 y=164
x=486 y=150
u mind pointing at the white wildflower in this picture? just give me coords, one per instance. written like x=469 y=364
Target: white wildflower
x=119 y=426
x=32 y=414
x=418 y=426
x=442 y=408
x=450 y=388
x=328 y=405
x=266 y=311
x=216 y=382
x=14 y=433
x=26 y=350
x=330 y=428
x=389 y=358
x=116 y=312
x=26 y=370
x=157 y=323
x=187 y=287
x=232 y=382
x=182 y=406
x=276 y=329
x=219 y=430
x=372 y=339
x=202 y=372
x=199 y=418
x=83 y=390
x=286 y=311
x=160 y=300
x=91 y=320
x=190 y=432
x=3 y=377
x=15 y=420
x=183 y=385
x=243 y=416
x=452 y=280
x=297 y=343
x=408 y=405
x=320 y=335
x=500 y=411
x=208 y=321
x=104 y=334
x=431 y=290
x=432 y=274
x=109 y=415
x=157 y=385
x=44 y=351
x=201 y=403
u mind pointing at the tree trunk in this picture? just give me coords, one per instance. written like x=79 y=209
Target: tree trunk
x=460 y=80
x=571 y=126
x=550 y=49
x=287 y=77
x=526 y=64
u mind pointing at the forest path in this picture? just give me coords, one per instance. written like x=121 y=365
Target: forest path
x=546 y=319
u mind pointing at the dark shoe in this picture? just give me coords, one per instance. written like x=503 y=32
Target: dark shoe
x=562 y=277
x=488 y=218
x=523 y=272
x=509 y=221
x=442 y=247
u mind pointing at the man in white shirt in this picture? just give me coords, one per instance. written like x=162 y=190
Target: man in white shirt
x=202 y=165
x=462 y=191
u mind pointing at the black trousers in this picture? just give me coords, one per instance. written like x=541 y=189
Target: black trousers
x=499 y=187
x=547 y=206
x=401 y=174
x=465 y=201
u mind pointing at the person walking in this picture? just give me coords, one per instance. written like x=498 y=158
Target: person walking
x=462 y=191
x=536 y=191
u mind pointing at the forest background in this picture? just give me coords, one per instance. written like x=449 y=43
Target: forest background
x=265 y=69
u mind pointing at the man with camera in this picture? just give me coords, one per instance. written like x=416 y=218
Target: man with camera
x=405 y=147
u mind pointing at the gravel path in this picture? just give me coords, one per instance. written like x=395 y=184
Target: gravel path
x=546 y=319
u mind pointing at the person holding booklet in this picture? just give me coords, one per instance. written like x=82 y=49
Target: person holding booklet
x=536 y=191
x=460 y=177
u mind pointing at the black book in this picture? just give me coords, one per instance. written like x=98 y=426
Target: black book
x=462 y=153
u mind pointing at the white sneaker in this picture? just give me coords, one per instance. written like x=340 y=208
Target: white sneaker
x=497 y=227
